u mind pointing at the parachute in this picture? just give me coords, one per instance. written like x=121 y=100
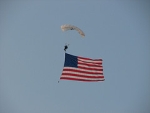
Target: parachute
x=67 y=27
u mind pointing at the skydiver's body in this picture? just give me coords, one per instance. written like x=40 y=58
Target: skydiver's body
x=65 y=47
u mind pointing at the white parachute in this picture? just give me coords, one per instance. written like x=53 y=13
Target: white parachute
x=71 y=27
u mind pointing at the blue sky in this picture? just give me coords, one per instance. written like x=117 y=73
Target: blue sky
x=32 y=56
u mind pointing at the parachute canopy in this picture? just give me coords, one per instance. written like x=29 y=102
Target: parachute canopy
x=67 y=27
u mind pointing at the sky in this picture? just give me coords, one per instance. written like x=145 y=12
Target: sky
x=32 y=56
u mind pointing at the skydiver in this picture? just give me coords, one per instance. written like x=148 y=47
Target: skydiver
x=65 y=47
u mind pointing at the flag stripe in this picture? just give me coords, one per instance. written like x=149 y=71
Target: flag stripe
x=89 y=68
x=83 y=60
x=83 y=71
x=84 y=76
x=89 y=64
x=89 y=59
x=78 y=79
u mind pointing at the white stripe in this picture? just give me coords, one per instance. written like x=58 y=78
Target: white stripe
x=90 y=61
x=92 y=67
x=83 y=78
x=87 y=63
x=83 y=74
x=78 y=69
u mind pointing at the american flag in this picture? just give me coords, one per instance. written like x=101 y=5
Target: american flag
x=82 y=69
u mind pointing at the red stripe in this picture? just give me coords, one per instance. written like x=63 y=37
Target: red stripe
x=89 y=64
x=78 y=75
x=86 y=72
x=90 y=59
x=86 y=68
x=92 y=63
x=66 y=78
